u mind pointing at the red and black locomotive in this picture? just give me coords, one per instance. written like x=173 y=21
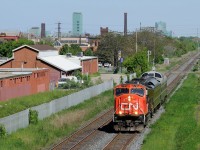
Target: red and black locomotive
x=137 y=100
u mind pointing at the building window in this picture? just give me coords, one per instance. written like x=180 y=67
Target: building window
x=35 y=75
x=28 y=78
x=1 y=84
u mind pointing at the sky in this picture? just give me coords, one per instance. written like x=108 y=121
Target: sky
x=181 y=16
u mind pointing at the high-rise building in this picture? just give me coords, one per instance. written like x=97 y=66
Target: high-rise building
x=161 y=26
x=77 y=25
x=34 y=32
x=43 y=32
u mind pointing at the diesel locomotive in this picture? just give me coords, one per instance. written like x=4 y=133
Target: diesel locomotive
x=135 y=101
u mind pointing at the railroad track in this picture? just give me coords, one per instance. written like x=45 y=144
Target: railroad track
x=81 y=135
x=120 y=141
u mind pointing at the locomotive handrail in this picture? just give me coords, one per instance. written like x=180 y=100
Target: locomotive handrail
x=115 y=111
x=143 y=114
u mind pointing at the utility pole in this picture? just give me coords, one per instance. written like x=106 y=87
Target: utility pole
x=136 y=46
x=198 y=45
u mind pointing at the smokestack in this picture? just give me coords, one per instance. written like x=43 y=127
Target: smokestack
x=125 y=23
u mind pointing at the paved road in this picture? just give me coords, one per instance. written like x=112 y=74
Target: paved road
x=115 y=77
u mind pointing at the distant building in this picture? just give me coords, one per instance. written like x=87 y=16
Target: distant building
x=34 y=32
x=16 y=82
x=103 y=31
x=148 y=29
x=161 y=26
x=10 y=35
x=43 y=31
x=77 y=25
x=83 y=42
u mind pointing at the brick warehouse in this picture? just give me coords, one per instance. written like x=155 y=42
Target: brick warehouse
x=21 y=82
x=30 y=57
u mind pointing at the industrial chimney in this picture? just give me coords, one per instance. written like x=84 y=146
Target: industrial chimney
x=125 y=24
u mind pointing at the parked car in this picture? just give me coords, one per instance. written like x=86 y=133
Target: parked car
x=64 y=80
x=74 y=78
x=100 y=64
x=106 y=65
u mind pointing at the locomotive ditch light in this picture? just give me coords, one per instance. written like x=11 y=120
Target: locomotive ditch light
x=129 y=98
x=136 y=112
x=120 y=112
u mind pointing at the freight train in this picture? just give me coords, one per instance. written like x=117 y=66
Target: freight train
x=136 y=101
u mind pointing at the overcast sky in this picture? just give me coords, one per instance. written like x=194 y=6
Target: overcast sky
x=181 y=16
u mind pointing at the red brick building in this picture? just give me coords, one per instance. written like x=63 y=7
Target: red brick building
x=30 y=57
x=21 y=82
x=10 y=36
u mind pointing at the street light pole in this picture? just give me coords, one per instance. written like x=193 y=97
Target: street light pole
x=136 y=41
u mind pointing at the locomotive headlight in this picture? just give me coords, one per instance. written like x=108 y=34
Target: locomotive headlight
x=129 y=98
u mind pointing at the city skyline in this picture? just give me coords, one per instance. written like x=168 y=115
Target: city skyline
x=181 y=18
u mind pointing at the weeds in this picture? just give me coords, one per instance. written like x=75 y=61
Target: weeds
x=178 y=127
x=58 y=126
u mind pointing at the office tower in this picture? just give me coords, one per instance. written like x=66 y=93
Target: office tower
x=43 y=35
x=77 y=20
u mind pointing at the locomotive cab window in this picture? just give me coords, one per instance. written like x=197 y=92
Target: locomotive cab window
x=137 y=91
x=145 y=74
x=120 y=91
x=158 y=75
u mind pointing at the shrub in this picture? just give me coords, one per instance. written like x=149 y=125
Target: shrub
x=195 y=68
x=33 y=117
x=71 y=85
x=2 y=131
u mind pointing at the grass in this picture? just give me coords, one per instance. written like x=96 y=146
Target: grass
x=173 y=62
x=97 y=74
x=179 y=127
x=58 y=126
x=18 y=104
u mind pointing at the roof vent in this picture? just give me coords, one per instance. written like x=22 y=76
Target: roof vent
x=69 y=54
x=80 y=54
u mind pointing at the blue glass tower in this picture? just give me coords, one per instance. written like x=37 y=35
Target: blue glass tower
x=77 y=24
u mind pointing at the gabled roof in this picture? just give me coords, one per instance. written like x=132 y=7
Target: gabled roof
x=60 y=63
x=7 y=61
x=25 y=46
x=43 y=47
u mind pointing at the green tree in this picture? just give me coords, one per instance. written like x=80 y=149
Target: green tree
x=46 y=41
x=75 y=49
x=137 y=63
x=109 y=46
x=64 y=50
x=88 y=52
x=7 y=46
